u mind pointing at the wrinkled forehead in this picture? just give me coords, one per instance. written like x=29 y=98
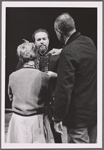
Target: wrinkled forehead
x=40 y=35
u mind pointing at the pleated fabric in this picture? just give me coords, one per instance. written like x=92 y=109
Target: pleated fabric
x=31 y=129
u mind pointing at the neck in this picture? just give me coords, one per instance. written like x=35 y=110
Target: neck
x=69 y=35
x=42 y=52
x=29 y=64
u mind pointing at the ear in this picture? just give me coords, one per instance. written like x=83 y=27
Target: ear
x=59 y=31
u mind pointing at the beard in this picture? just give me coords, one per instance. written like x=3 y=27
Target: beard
x=42 y=49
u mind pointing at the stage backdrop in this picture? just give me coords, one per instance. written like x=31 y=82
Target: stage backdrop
x=22 y=22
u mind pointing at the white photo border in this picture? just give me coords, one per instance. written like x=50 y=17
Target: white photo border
x=89 y=4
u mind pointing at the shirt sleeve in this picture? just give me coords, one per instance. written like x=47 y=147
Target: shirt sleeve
x=65 y=82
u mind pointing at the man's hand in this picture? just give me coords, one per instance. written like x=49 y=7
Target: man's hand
x=54 y=51
x=52 y=74
x=58 y=127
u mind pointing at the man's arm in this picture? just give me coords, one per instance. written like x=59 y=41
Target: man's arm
x=65 y=83
x=52 y=74
x=55 y=51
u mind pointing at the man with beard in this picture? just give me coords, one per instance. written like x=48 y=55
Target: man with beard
x=45 y=63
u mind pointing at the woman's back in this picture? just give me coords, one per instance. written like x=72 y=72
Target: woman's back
x=28 y=86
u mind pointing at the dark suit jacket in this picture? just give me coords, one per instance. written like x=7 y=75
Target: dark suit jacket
x=76 y=89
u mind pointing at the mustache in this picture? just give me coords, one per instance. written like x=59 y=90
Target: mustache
x=42 y=45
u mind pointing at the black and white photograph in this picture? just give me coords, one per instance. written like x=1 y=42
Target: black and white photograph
x=51 y=74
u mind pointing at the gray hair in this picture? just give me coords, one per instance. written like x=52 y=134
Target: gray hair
x=26 y=51
x=64 y=23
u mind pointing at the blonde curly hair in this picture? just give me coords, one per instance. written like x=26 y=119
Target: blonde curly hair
x=26 y=51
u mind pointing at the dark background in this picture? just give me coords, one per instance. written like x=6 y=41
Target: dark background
x=22 y=22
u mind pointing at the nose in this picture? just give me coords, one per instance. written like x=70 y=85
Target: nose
x=42 y=41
